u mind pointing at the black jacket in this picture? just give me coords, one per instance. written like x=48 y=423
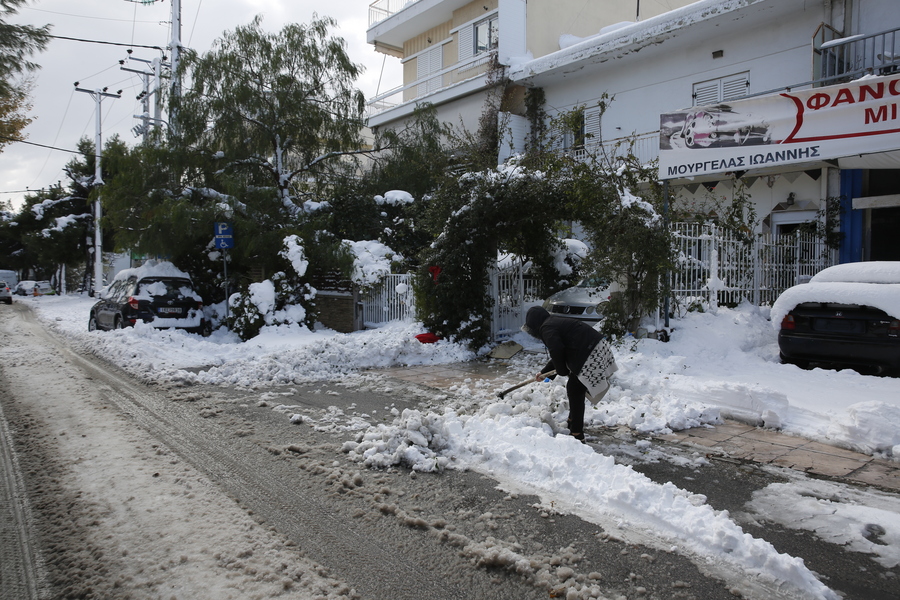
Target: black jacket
x=569 y=341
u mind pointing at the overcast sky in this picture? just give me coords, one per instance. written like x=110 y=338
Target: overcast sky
x=62 y=115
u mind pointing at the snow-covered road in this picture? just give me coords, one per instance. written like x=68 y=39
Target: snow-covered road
x=716 y=364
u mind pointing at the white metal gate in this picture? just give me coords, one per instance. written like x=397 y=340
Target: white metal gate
x=513 y=294
x=391 y=300
x=717 y=266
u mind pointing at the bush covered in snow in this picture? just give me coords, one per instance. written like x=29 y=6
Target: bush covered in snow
x=276 y=301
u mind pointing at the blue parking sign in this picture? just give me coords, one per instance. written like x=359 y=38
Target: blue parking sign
x=224 y=236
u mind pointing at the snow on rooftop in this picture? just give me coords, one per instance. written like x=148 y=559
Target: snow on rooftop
x=623 y=35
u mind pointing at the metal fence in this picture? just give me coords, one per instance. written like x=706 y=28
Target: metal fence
x=391 y=300
x=513 y=294
x=717 y=266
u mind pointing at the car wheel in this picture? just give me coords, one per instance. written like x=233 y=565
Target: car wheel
x=92 y=323
x=206 y=329
x=119 y=324
x=8 y=300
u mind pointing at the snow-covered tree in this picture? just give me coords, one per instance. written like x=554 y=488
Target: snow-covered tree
x=280 y=108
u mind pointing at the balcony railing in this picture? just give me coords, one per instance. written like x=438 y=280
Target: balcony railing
x=852 y=57
x=382 y=9
x=645 y=148
x=429 y=84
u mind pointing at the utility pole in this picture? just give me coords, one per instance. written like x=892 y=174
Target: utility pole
x=98 y=96
x=156 y=64
x=175 y=55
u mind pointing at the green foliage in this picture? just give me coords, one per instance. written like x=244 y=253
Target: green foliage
x=280 y=107
x=479 y=215
x=621 y=208
x=17 y=44
x=293 y=304
x=413 y=160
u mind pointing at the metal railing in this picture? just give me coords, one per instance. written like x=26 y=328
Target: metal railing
x=382 y=9
x=714 y=267
x=425 y=86
x=645 y=147
x=391 y=300
x=512 y=293
x=854 y=56
x=717 y=266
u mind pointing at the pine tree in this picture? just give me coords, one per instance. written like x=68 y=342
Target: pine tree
x=17 y=44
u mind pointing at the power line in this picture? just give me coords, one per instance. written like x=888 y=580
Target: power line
x=9 y=139
x=84 y=16
x=73 y=39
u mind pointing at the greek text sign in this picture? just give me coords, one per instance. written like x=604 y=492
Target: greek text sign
x=861 y=117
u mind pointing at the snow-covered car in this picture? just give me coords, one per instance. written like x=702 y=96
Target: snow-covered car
x=5 y=293
x=583 y=301
x=42 y=288
x=25 y=288
x=847 y=315
x=156 y=293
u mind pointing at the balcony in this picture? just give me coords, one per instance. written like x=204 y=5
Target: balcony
x=382 y=9
x=457 y=79
x=393 y=22
x=845 y=59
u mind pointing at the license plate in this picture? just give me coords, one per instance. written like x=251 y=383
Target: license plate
x=169 y=311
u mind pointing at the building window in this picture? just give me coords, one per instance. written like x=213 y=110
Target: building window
x=485 y=35
x=723 y=89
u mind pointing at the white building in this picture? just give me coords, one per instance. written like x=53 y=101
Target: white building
x=656 y=59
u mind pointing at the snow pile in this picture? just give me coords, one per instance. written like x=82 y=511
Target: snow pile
x=293 y=253
x=371 y=263
x=513 y=442
x=152 y=268
x=875 y=284
x=395 y=198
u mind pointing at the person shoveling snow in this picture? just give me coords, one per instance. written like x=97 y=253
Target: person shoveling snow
x=578 y=351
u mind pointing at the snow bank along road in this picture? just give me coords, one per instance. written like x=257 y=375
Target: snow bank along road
x=115 y=489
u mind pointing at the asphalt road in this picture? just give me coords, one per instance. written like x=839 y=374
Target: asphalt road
x=341 y=530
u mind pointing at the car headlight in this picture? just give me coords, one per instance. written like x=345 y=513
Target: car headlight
x=590 y=310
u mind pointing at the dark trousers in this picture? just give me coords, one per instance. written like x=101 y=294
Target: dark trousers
x=576 y=391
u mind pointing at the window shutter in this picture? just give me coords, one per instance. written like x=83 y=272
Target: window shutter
x=466 y=44
x=706 y=92
x=592 y=126
x=735 y=86
x=427 y=63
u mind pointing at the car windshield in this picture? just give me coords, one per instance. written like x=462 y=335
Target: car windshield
x=593 y=282
x=170 y=288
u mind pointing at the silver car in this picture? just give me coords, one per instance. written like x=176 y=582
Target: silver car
x=584 y=301
x=5 y=293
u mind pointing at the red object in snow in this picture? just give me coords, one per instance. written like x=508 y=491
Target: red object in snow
x=435 y=271
x=427 y=338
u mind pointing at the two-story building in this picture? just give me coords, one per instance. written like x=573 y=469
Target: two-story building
x=660 y=59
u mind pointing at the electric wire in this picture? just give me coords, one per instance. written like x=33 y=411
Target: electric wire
x=53 y=12
x=74 y=39
x=56 y=137
x=194 y=26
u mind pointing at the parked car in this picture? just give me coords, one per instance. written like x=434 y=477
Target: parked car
x=161 y=296
x=43 y=288
x=583 y=301
x=5 y=293
x=25 y=288
x=847 y=315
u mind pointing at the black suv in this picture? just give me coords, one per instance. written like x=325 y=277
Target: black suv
x=163 y=302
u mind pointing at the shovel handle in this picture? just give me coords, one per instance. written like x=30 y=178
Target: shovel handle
x=523 y=384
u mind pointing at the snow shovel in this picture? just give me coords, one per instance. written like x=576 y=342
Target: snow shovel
x=523 y=384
